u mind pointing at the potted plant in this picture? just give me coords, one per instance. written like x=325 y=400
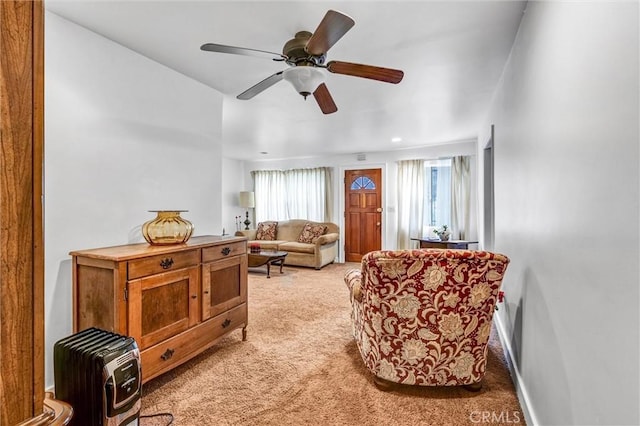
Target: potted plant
x=443 y=233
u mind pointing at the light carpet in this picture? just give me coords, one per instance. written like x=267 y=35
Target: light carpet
x=301 y=366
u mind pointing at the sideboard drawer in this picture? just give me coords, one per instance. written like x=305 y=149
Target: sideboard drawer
x=176 y=350
x=162 y=263
x=210 y=254
x=170 y=353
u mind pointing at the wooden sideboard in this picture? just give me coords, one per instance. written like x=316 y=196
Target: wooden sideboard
x=175 y=300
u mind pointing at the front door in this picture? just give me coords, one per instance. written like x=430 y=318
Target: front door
x=363 y=213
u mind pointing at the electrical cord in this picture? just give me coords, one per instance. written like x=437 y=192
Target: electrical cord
x=149 y=416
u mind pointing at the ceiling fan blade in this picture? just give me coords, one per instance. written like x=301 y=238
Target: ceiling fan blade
x=263 y=85
x=387 y=75
x=331 y=29
x=221 y=48
x=324 y=99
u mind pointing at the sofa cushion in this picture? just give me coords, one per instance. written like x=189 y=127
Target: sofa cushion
x=267 y=231
x=311 y=232
x=289 y=230
x=267 y=244
x=297 y=247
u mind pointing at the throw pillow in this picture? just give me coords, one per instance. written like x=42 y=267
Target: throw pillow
x=267 y=231
x=310 y=233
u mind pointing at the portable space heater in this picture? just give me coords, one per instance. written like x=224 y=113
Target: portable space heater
x=98 y=373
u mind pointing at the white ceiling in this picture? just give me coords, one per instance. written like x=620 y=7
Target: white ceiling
x=452 y=54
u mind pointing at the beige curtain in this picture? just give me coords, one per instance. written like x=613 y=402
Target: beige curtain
x=328 y=194
x=410 y=202
x=460 y=197
x=270 y=189
x=293 y=194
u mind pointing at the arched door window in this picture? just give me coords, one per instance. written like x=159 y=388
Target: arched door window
x=362 y=182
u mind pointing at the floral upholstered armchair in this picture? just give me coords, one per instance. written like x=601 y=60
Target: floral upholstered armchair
x=423 y=317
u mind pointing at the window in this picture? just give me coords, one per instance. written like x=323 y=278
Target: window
x=362 y=182
x=437 y=200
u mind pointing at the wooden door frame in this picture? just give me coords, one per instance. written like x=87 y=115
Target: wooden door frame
x=22 y=250
x=488 y=193
x=341 y=195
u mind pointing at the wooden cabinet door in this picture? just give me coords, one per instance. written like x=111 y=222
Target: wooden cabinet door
x=224 y=285
x=163 y=305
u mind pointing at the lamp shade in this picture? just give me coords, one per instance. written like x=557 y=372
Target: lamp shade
x=305 y=79
x=247 y=199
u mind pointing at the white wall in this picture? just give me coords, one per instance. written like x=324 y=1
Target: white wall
x=123 y=135
x=566 y=171
x=233 y=181
x=387 y=162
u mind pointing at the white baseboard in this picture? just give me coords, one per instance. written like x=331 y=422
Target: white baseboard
x=521 y=390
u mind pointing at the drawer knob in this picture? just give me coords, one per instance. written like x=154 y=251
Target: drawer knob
x=194 y=296
x=226 y=323
x=167 y=354
x=166 y=263
x=226 y=251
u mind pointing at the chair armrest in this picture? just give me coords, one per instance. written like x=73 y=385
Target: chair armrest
x=327 y=238
x=353 y=279
x=249 y=233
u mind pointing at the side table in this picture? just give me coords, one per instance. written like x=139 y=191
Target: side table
x=268 y=258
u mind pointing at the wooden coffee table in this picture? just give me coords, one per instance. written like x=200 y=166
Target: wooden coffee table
x=268 y=258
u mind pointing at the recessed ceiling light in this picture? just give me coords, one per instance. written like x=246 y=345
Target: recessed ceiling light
x=396 y=139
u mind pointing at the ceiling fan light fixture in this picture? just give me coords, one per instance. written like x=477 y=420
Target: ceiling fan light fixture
x=305 y=79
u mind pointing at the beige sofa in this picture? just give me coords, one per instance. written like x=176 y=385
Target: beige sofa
x=322 y=252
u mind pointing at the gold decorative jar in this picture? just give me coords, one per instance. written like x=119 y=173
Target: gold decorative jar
x=167 y=228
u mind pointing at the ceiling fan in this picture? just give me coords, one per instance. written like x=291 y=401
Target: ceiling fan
x=305 y=54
